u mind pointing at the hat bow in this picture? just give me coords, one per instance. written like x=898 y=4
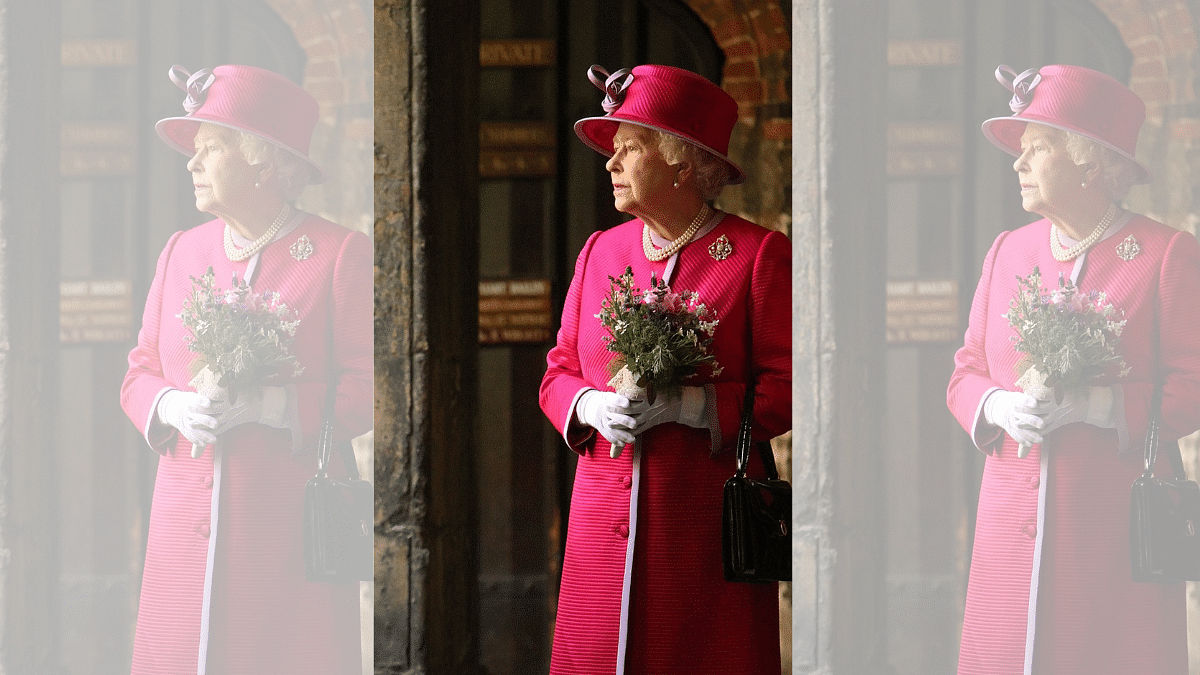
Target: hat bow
x=1021 y=86
x=613 y=86
x=195 y=85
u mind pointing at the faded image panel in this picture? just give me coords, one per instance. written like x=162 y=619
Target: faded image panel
x=109 y=527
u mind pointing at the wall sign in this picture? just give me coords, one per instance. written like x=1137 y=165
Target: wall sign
x=514 y=311
x=517 y=149
x=95 y=311
x=516 y=53
x=923 y=310
x=97 y=149
x=98 y=53
x=921 y=149
x=924 y=52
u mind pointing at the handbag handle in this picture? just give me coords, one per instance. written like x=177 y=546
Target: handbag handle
x=743 y=440
x=325 y=444
x=1152 y=441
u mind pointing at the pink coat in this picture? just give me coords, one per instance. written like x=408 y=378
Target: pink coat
x=1052 y=532
x=642 y=571
x=228 y=593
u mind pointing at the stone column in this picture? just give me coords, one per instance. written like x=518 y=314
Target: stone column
x=30 y=450
x=426 y=343
x=838 y=238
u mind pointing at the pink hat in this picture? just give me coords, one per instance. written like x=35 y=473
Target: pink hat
x=1070 y=98
x=671 y=100
x=245 y=98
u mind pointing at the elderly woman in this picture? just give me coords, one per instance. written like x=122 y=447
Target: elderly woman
x=1050 y=589
x=224 y=588
x=642 y=585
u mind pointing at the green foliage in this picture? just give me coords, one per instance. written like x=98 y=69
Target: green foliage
x=242 y=337
x=659 y=335
x=1070 y=336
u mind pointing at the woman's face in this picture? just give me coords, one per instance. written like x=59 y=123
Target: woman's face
x=1050 y=179
x=223 y=179
x=641 y=178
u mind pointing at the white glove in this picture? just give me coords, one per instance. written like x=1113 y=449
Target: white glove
x=685 y=407
x=1015 y=413
x=611 y=415
x=1092 y=405
x=264 y=405
x=190 y=413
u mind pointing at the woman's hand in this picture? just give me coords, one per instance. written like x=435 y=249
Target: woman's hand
x=1092 y=405
x=264 y=405
x=686 y=407
x=610 y=414
x=190 y=413
x=1016 y=413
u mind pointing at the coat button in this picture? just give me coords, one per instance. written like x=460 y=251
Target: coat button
x=626 y=482
x=623 y=531
x=1034 y=482
x=207 y=482
x=202 y=530
x=1031 y=530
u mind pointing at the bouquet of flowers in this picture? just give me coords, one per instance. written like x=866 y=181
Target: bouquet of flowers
x=660 y=336
x=1067 y=337
x=239 y=337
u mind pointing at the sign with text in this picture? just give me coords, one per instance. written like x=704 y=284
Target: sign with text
x=918 y=149
x=95 y=311
x=924 y=52
x=516 y=149
x=516 y=53
x=924 y=310
x=98 y=53
x=97 y=149
x=514 y=311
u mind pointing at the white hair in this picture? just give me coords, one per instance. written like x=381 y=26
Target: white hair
x=289 y=172
x=1117 y=172
x=712 y=173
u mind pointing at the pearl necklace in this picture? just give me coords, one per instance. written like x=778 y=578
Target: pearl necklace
x=236 y=254
x=657 y=254
x=1062 y=254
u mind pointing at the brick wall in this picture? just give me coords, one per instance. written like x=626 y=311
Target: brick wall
x=337 y=37
x=753 y=34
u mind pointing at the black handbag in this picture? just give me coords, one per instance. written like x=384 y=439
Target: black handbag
x=338 y=518
x=757 y=514
x=1164 y=516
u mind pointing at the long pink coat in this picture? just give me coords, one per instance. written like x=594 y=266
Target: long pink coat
x=1053 y=529
x=642 y=572
x=223 y=589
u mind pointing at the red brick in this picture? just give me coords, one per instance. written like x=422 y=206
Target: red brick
x=324 y=68
x=1180 y=43
x=731 y=28
x=321 y=47
x=1186 y=128
x=1146 y=48
x=1138 y=28
x=741 y=68
x=777 y=129
x=358 y=128
x=780 y=42
x=780 y=92
x=1146 y=69
x=747 y=91
x=327 y=91
x=312 y=28
x=1156 y=92
x=777 y=16
x=739 y=47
